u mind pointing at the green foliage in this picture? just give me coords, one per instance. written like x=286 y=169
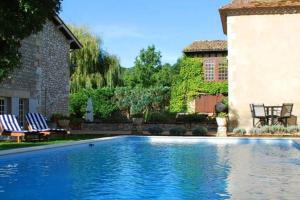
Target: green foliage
x=155 y=130
x=161 y=117
x=164 y=75
x=189 y=118
x=103 y=104
x=200 y=131
x=222 y=115
x=190 y=84
x=225 y=101
x=214 y=88
x=18 y=20
x=78 y=103
x=186 y=85
x=146 y=64
x=91 y=67
x=142 y=100
x=177 y=131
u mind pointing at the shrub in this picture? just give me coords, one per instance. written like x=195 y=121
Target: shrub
x=239 y=131
x=189 y=118
x=103 y=104
x=160 y=117
x=255 y=131
x=155 y=130
x=222 y=115
x=177 y=131
x=200 y=131
x=78 y=103
x=275 y=129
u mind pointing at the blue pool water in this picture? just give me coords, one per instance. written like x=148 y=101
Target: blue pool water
x=155 y=168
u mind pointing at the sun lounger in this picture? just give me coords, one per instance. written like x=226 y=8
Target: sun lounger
x=37 y=122
x=10 y=127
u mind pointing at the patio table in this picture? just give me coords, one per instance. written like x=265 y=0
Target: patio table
x=271 y=113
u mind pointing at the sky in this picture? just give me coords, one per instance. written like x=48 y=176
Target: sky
x=127 y=26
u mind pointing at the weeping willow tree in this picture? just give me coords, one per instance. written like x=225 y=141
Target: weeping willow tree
x=91 y=67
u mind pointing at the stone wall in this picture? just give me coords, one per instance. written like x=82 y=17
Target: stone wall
x=129 y=126
x=44 y=73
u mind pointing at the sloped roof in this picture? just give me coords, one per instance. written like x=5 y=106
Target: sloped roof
x=264 y=6
x=237 y=4
x=206 y=46
x=74 y=42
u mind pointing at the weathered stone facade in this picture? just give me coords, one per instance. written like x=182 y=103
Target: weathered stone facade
x=43 y=77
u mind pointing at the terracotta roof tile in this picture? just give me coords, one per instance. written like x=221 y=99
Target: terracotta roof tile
x=215 y=45
x=265 y=6
x=240 y=4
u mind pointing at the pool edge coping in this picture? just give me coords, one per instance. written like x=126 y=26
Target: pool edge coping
x=53 y=146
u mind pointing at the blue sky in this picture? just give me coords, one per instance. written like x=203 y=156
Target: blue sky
x=127 y=26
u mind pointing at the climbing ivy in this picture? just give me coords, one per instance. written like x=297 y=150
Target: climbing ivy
x=189 y=83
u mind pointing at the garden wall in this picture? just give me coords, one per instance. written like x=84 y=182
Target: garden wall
x=130 y=126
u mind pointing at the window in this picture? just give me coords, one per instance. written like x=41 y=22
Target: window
x=3 y=105
x=209 y=70
x=223 y=71
x=23 y=109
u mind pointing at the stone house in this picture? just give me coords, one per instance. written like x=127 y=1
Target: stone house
x=214 y=54
x=41 y=83
x=263 y=55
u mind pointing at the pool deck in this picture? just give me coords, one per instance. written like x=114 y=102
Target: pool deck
x=45 y=147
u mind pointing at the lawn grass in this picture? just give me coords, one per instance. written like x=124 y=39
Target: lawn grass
x=6 y=145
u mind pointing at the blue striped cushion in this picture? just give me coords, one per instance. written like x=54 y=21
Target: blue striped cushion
x=10 y=123
x=36 y=121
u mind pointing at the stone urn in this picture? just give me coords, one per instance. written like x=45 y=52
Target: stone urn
x=221 y=121
x=222 y=126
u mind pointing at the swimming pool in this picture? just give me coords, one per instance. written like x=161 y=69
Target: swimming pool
x=156 y=168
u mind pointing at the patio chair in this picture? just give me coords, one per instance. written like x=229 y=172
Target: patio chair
x=10 y=127
x=258 y=112
x=37 y=122
x=286 y=113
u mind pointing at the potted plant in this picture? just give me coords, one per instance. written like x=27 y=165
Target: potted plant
x=222 y=119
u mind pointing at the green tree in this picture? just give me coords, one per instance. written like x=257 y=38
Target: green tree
x=18 y=20
x=145 y=66
x=91 y=67
x=103 y=103
x=164 y=76
x=140 y=100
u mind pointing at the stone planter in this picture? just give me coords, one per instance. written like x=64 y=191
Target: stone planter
x=137 y=121
x=222 y=126
x=64 y=123
x=137 y=125
x=221 y=121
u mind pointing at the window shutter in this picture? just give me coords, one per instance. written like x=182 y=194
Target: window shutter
x=33 y=103
x=15 y=106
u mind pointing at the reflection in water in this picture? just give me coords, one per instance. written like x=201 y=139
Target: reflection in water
x=264 y=172
x=134 y=168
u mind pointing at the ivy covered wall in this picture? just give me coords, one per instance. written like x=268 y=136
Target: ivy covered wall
x=189 y=83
